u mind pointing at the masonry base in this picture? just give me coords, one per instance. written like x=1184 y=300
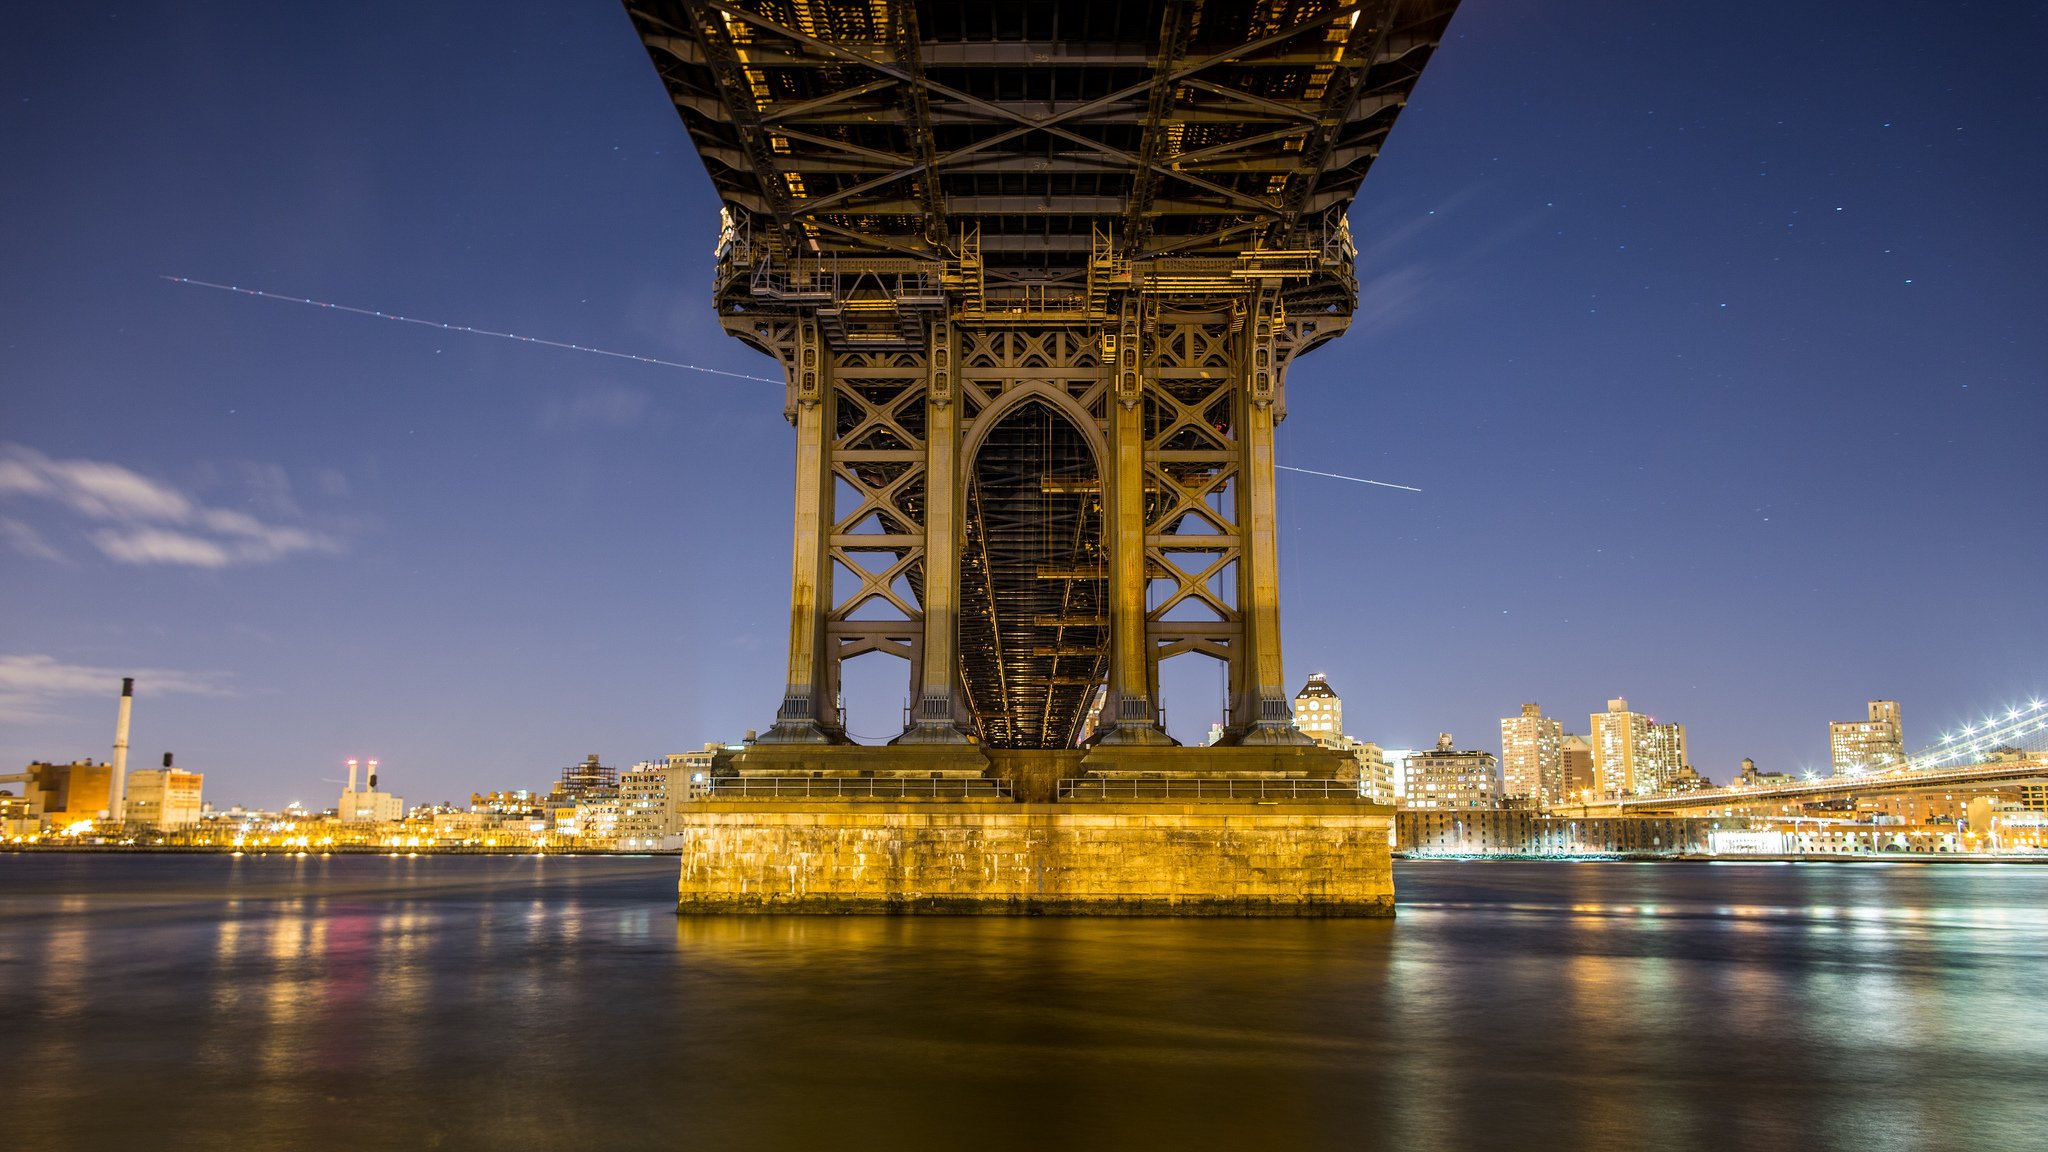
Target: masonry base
x=1321 y=857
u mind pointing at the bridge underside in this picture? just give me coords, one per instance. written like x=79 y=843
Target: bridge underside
x=1034 y=637
x=1035 y=270
x=1180 y=127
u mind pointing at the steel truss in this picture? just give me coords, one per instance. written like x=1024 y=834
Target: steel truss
x=1035 y=270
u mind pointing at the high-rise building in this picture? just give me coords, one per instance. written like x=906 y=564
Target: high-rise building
x=650 y=791
x=647 y=808
x=1318 y=711
x=1575 y=758
x=1633 y=755
x=1667 y=761
x=1874 y=745
x=1532 y=755
x=1445 y=777
x=1319 y=714
x=1375 y=775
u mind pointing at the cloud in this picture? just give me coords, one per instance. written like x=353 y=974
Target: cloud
x=1390 y=299
x=137 y=520
x=23 y=538
x=33 y=686
x=160 y=546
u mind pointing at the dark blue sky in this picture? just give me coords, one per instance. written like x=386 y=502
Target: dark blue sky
x=1716 y=343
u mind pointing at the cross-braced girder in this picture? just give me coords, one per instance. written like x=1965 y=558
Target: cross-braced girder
x=1035 y=270
x=1198 y=127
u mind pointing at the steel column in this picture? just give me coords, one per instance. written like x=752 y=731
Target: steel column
x=1131 y=716
x=807 y=715
x=1267 y=714
x=933 y=718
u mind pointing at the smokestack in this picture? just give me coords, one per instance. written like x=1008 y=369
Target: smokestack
x=351 y=775
x=117 y=780
x=167 y=759
x=373 y=775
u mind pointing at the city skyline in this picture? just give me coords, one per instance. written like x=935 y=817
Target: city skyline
x=1661 y=361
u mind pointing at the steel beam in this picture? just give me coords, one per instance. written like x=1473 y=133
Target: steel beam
x=955 y=245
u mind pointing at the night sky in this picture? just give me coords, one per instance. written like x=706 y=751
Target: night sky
x=1716 y=340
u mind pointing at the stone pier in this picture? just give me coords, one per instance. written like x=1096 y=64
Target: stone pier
x=1105 y=843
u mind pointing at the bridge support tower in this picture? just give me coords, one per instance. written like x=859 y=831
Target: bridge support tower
x=1035 y=355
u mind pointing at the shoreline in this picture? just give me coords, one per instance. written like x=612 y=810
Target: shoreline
x=1731 y=858
x=1399 y=857
x=325 y=850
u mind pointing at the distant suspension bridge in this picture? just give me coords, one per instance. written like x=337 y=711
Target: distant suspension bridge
x=2003 y=748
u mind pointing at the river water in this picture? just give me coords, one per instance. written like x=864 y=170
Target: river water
x=515 y=1002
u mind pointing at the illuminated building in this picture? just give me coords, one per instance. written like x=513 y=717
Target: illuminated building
x=1873 y=745
x=1318 y=711
x=1687 y=779
x=1445 y=777
x=1575 y=764
x=64 y=794
x=1666 y=767
x=368 y=806
x=163 y=798
x=1750 y=777
x=1397 y=769
x=1375 y=775
x=453 y=827
x=1633 y=755
x=595 y=823
x=519 y=804
x=647 y=804
x=1532 y=755
x=699 y=766
x=1319 y=714
x=15 y=817
x=587 y=779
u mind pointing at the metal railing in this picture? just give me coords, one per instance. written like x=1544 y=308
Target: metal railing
x=1172 y=788
x=856 y=787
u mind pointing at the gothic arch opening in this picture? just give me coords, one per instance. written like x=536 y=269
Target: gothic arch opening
x=1034 y=586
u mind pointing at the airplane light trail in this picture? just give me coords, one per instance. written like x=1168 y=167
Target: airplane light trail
x=466 y=328
x=1353 y=479
x=605 y=352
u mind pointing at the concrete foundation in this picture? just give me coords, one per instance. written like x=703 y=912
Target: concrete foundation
x=1046 y=837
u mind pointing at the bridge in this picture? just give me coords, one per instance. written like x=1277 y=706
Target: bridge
x=2007 y=747
x=1035 y=271
x=2018 y=770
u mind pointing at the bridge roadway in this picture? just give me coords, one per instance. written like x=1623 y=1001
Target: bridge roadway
x=1826 y=788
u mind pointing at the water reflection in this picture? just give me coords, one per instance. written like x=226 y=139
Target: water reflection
x=515 y=1002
